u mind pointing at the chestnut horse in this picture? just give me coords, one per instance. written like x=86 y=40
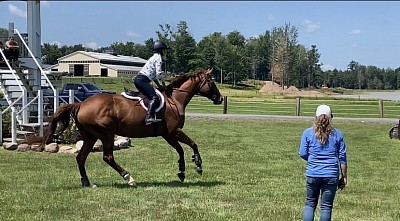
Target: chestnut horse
x=105 y=115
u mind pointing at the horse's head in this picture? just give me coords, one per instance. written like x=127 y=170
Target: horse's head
x=208 y=88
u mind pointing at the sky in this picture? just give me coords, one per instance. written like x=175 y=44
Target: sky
x=367 y=32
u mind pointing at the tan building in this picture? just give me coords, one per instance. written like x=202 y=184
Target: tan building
x=93 y=64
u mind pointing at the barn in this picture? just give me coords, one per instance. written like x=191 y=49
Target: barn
x=93 y=64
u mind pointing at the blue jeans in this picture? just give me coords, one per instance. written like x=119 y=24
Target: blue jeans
x=143 y=84
x=327 y=187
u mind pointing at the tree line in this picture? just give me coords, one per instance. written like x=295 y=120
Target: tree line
x=274 y=55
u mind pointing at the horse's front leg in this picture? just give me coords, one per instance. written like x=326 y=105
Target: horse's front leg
x=181 y=162
x=196 y=158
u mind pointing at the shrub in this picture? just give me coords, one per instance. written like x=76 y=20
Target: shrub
x=70 y=135
x=6 y=124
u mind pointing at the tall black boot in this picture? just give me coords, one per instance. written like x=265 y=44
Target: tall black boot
x=151 y=111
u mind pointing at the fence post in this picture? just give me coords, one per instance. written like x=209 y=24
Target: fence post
x=71 y=96
x=1 y=127
x=225 y=104
x=381 y=108
x=297 y=106
x=13 y=127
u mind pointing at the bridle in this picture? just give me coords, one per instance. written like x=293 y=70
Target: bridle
x=205 y=82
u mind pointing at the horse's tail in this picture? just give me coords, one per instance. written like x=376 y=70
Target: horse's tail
x=63 y=115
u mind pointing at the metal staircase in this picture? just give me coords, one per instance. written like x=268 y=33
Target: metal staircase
x=28 y=107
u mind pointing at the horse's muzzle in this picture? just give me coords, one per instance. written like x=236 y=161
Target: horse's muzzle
x=218 y=100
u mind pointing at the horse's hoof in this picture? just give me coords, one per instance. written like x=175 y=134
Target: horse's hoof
x=181 y=177
x=91 y=186
x=132 y=184
x=85 y=182
x=199 y=170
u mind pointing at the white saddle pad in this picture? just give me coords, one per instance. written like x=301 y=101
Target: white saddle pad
x=159 y=94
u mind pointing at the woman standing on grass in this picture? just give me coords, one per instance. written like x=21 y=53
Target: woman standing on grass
x=324 y=149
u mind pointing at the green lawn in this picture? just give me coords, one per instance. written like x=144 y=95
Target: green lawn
x=251 y=172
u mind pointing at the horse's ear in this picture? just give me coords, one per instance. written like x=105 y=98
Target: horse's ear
x=209 y=71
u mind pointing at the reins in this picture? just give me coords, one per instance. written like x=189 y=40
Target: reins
x=182 y=90
x=190 y=92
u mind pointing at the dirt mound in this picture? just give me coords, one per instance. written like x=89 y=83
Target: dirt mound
x=273 y=88
x=292 y=89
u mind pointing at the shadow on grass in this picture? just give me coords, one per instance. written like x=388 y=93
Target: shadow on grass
x=172 y=184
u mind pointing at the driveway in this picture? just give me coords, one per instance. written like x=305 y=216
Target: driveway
x=286 y=118
x=394 y=96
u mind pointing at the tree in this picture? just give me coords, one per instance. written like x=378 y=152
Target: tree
x=50 y=53
x=314 y=67
x=213 y=49
x=284 y=40
x=264 y=52
x=185 y=56
x=126 y=49
x=252 y=56
x=144 y=51
x=3 y=31
x=166 y=35
x=235 y=52
x=301 y=66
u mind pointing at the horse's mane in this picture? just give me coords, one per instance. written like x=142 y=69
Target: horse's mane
x=177 y=82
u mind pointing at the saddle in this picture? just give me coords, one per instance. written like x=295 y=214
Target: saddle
x=131 y=93
x=144 y=101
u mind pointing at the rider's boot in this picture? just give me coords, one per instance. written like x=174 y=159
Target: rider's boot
x=151 y=111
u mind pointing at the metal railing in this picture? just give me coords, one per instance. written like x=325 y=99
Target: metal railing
x=23 y=97
x=14 y=115
x=55 y=99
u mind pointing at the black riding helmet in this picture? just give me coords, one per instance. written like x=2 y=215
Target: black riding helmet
x=159 y=45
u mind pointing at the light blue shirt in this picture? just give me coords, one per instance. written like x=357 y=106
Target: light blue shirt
x=322 y=159
x=152 y=68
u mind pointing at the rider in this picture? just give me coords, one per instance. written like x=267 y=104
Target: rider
x=151 y=71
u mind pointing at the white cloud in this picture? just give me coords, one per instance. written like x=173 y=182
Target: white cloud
x=327 y=67
x=310 y=26
x=131 y=33
x=14 y=10
x=271 y=18
x=355 y=32
x=92 y=45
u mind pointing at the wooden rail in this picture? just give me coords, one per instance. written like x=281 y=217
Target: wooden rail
x=298 y=107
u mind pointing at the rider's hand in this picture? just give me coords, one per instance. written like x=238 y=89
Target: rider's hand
x=162 y=88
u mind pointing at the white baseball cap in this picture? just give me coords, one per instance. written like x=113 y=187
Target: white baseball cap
x=323 y=109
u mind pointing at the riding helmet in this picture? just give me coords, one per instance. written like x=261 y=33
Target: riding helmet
x=159 y=45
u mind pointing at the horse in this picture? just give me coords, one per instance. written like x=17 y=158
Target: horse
x=103 y=116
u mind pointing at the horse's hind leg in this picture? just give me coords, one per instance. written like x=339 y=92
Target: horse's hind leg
x=87 y=147
x=108 y=157
x=181 y=162
x=182 y=137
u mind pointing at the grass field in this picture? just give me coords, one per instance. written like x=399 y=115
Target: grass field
x=252 y=171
